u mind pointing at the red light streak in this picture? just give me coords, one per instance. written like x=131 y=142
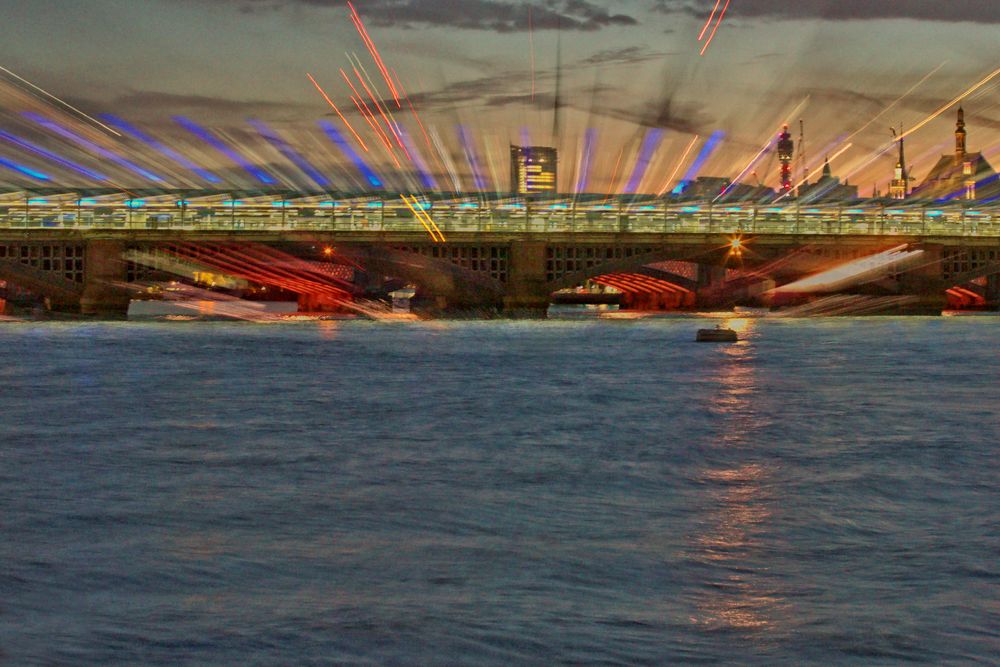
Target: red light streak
x=330 y=102
x=722 y=15
x=531 y=49
x=704 y=29
x=375 y=54
x=385 y=117
x=359 y=102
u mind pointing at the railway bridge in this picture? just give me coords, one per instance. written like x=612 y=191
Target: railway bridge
x=80 y=251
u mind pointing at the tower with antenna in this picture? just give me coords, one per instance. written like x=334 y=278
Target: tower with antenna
x=802 y=155
x=786 y=150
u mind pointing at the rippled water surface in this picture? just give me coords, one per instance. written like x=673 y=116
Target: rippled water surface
x=825 y=491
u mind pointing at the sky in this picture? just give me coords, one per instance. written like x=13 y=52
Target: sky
x=626 y=73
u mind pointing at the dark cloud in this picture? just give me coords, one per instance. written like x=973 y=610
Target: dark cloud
x=631 y=55
x=493 y=15
x=978 y=11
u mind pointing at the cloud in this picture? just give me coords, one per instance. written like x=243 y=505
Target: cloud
x=152 y=100
x=491 y=15
x=977 y=11
x=631 y=55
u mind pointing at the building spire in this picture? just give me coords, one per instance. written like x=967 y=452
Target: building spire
x=960 y=135
x=900 y=185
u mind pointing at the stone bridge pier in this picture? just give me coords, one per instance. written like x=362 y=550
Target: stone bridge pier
x=528 y=288
x=104 y=278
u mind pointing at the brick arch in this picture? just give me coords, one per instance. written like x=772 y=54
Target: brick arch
x=635 y=263
x=437 y=276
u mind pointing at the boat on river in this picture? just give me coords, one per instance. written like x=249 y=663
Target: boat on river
x=716 y=335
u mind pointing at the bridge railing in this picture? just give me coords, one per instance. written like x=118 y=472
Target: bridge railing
x=385 y=217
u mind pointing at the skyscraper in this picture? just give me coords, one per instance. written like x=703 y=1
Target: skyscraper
x=533 y=170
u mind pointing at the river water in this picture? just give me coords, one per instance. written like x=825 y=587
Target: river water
x=825 y=491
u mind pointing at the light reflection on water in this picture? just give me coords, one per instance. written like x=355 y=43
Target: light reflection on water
x=499 y=493
x=737 y=506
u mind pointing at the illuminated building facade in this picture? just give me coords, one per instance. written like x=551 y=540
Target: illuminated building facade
x=533 y=170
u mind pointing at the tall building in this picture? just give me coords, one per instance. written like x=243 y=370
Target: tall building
x=533 y=170
x=899 y=187
x=963 y=175
x=786 y=148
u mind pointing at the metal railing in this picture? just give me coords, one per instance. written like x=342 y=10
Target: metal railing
x=389 y=216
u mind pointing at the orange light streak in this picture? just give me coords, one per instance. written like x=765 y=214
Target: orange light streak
x=425 y=219
x=992 y=75
x=418 y=216
x=359 y=102
x=680 y=163
x=385 y=117
x=330 y=102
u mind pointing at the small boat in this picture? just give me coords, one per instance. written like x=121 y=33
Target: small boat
x=716 y=335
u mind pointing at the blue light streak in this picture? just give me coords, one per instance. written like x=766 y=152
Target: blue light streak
x=275 y=140
x=336 y=137
x=649 y=145
x=49 y=155
x=125 y=127
x=589 y=143
x=218 y=145
x=27 y=171
x=706 y=152
x=470 y=155
x=91 y=146
x=422 y=170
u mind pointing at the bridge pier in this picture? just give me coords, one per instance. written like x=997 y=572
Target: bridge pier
x=527 y=285
x=924 y=282
x=993 y=290
x=104 y=275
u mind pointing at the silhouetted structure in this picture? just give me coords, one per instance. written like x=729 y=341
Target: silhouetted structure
x=963 y=175
x=899 y=187
x=827 y=188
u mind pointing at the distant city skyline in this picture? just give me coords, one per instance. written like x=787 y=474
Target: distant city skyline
x=627 y=69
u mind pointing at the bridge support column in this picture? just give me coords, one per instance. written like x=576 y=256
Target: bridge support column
x=104 y=275
x=710 y=281
x=527 y=284
x=709 y=274
x=993 y=290
x=924 y=282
